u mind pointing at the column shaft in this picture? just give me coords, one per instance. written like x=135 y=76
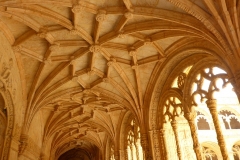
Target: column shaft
x=164 y=145
x=175 y=130
x=196 y=146
x=212 y=105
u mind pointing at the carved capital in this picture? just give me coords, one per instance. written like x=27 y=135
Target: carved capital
x=212 y=105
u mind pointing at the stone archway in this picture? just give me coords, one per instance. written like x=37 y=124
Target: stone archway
x=7 y=110
x=3 y=123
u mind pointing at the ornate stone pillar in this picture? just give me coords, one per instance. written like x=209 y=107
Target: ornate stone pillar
x=175 y=131
x=196 y=146
x=156 y=145
x=145 y=147
x=163 y=142
x=212 y=106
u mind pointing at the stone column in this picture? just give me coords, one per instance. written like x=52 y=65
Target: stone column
x=156 y=145
x=127 y=153
x=196 y=146
x=116 y=155
x=145 y=147
x=212 y=106
x=164 y=145
x=121 y=155
x=175 y=131
x=132 y=151
x=137 y=149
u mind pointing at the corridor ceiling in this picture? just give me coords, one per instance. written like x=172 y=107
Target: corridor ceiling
x=88 y=63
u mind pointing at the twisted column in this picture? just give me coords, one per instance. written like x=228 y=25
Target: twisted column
x=175 y=130
x=212 y=106
x=196 y=146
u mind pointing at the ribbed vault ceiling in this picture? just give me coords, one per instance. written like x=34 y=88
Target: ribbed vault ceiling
x=87 y=63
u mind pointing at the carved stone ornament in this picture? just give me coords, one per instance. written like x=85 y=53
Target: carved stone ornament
x=101 y=16
x=23 y=144
x=9 y=130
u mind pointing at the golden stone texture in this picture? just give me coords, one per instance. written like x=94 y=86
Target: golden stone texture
x=74 y=72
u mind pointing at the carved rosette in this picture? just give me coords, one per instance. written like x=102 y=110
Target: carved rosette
x=78 y=8
x=101 y=16
x=132 y=52
x=95 y=48
x=181 y=80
